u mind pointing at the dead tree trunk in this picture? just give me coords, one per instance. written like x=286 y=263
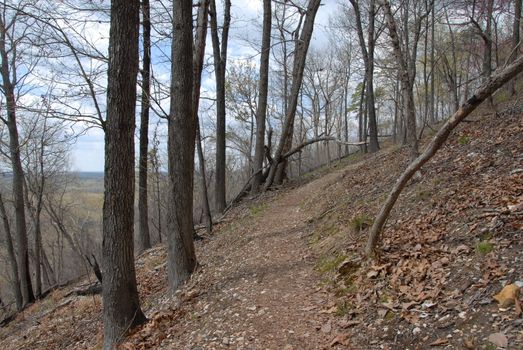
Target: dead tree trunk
x=516 y=30
x=495 y=81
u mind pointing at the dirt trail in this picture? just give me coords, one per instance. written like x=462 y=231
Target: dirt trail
x=263 y=292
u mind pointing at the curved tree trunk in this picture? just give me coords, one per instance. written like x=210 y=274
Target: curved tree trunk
x=485 y=91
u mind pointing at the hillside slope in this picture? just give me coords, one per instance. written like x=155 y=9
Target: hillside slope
x=285 y=271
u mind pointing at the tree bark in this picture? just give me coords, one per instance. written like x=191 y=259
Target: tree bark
x=220 y=64
x=121 y=305
x=516 y=30
x=144 y=236
x=199 y=53
x=15 y=276
x=18 y=173
x=263 y=88
x=181 y=139
x=407 y=75
x=495 y=81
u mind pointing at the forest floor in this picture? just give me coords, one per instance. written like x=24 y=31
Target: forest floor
x=286 y=270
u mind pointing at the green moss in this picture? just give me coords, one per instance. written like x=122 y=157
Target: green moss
x=464 y=140
x=329 y=263
x=257 y=210
x=484 y=247
x=342 y=308
x=360 y=222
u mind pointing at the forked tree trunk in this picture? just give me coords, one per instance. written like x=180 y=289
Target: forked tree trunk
x=144 y=236
x=263 y=88
x=121 y=305
x=300 y=55
x=495 y=81
x=181 y=139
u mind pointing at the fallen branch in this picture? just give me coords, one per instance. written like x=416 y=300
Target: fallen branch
x=497 y=80
x=320 y=139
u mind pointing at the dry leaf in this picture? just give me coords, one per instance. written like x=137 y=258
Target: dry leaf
x=469 y=344
x=439 y=342
x=507 y=296
x=498 y=339
x=518 y=308
x=341 y=339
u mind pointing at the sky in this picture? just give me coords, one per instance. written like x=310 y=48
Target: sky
x=87 y=154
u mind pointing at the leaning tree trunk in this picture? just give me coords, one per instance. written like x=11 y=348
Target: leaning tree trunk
x=18 y=175
x=181 y=138
x=199 y=53
x=220 y=63
x=300 y=55
x=121 y=305
x=263 y=87
x=144 y=236
x=485 y=91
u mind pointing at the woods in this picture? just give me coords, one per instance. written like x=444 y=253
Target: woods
x=228 y=106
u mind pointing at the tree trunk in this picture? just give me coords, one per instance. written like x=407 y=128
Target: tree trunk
x=121 y=305
x=220 y=64
x=263 y=88
x=181 y=139
x=199 y=52
x=18 y=174
x=15 y=279
x=300 y=55
x=144 y=236
x=516 y=29
x=407 y=73
x=496 y=80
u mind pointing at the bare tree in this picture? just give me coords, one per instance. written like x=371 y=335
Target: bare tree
x=300 y=54
x=199 y=52
x=261 y=111
x=181 y=138
x=121 y=305
x=220 y=64
x=12 y=39
x=143 y=207
x=494 y=82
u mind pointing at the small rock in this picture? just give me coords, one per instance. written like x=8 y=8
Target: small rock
x=416 y=330
x=326 y=328
x=498 y=339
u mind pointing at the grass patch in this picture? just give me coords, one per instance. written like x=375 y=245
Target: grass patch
x=329 y=264
x=342 y=308
x=464 y=140
x=484 y=247
x=361 y=222
x=257 y=210
x=423 y=195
